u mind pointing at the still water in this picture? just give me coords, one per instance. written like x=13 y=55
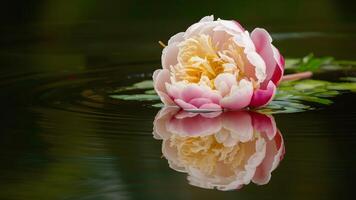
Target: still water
x=63 y=137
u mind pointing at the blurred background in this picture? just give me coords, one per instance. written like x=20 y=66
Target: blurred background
x=61 y=138
x=75 y=31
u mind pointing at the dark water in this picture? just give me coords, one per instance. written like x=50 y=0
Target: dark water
x=62 y=137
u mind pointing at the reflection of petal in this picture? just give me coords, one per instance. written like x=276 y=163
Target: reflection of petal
x=171 y=154
x=274 y=154
x=239 y=124
x=220 y=150
x=264 y=124
x=159 y=125
x=194 y=126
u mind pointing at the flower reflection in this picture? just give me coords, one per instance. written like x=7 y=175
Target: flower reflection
x=223 y=150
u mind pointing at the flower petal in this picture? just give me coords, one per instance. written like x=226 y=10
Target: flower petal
x=239 y=124
x=244 y=40
x=159 y=125
x=239 y=97
x=274 y=154
x=194 y=126
x=265 y=124
x=210 y=107
x=214 y=96
x=199 y=101
x=208 y=18
x=169 y=55
x=176 y=38
x=166 y=100
x=184 y=105
x=223 y=83
x=174 y=90
x=278 y=72
x=262 y=41
x=262 y=97
x=160 y=79
x=191 y=91
x=239 y=25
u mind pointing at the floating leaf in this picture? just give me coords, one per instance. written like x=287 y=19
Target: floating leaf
x=158 y=105
x=351 y=79
x=136 y=97
x=309 y=84
x=342 y=86
x=313 y=99
x=146 y=84
x=327 y=94
x=310 y=63
x=291 y=62
x=150 y=92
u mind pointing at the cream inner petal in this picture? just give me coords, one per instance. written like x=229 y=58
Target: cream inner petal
x=201 y=60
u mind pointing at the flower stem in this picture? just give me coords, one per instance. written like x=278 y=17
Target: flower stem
x=297 y=76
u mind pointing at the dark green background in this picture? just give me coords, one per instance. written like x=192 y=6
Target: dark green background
x=62 y=138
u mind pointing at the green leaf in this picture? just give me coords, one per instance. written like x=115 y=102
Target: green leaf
x=342 y=86
x=146 y=84
x=158 y=105
x=150 y=92
x=136 y=97
x=311 y=63
x=309 y=84
x=351 y=79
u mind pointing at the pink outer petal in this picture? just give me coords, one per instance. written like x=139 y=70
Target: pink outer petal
x=191 y=92
x=273 y=59
x=184 y=105
x=274 y=154
x=211 y=107
x=213 y=96
x=166 y=100
x=169 y=55
x=262 y=97
x=239 y=25
x=160 y=78
x=199 y=101
x=277 y=75
x=170 y=52
x=262 y=41
x=192 y=97
x=174 y=91
x=279 y=71
x=176 y=38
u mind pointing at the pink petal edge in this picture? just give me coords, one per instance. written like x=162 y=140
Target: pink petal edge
x=262 y=97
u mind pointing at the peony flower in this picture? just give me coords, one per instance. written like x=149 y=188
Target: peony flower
x=223 y=150
x=216 y=65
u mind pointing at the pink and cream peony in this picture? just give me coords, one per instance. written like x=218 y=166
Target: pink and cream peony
x=217 y=65
x=223 y=150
